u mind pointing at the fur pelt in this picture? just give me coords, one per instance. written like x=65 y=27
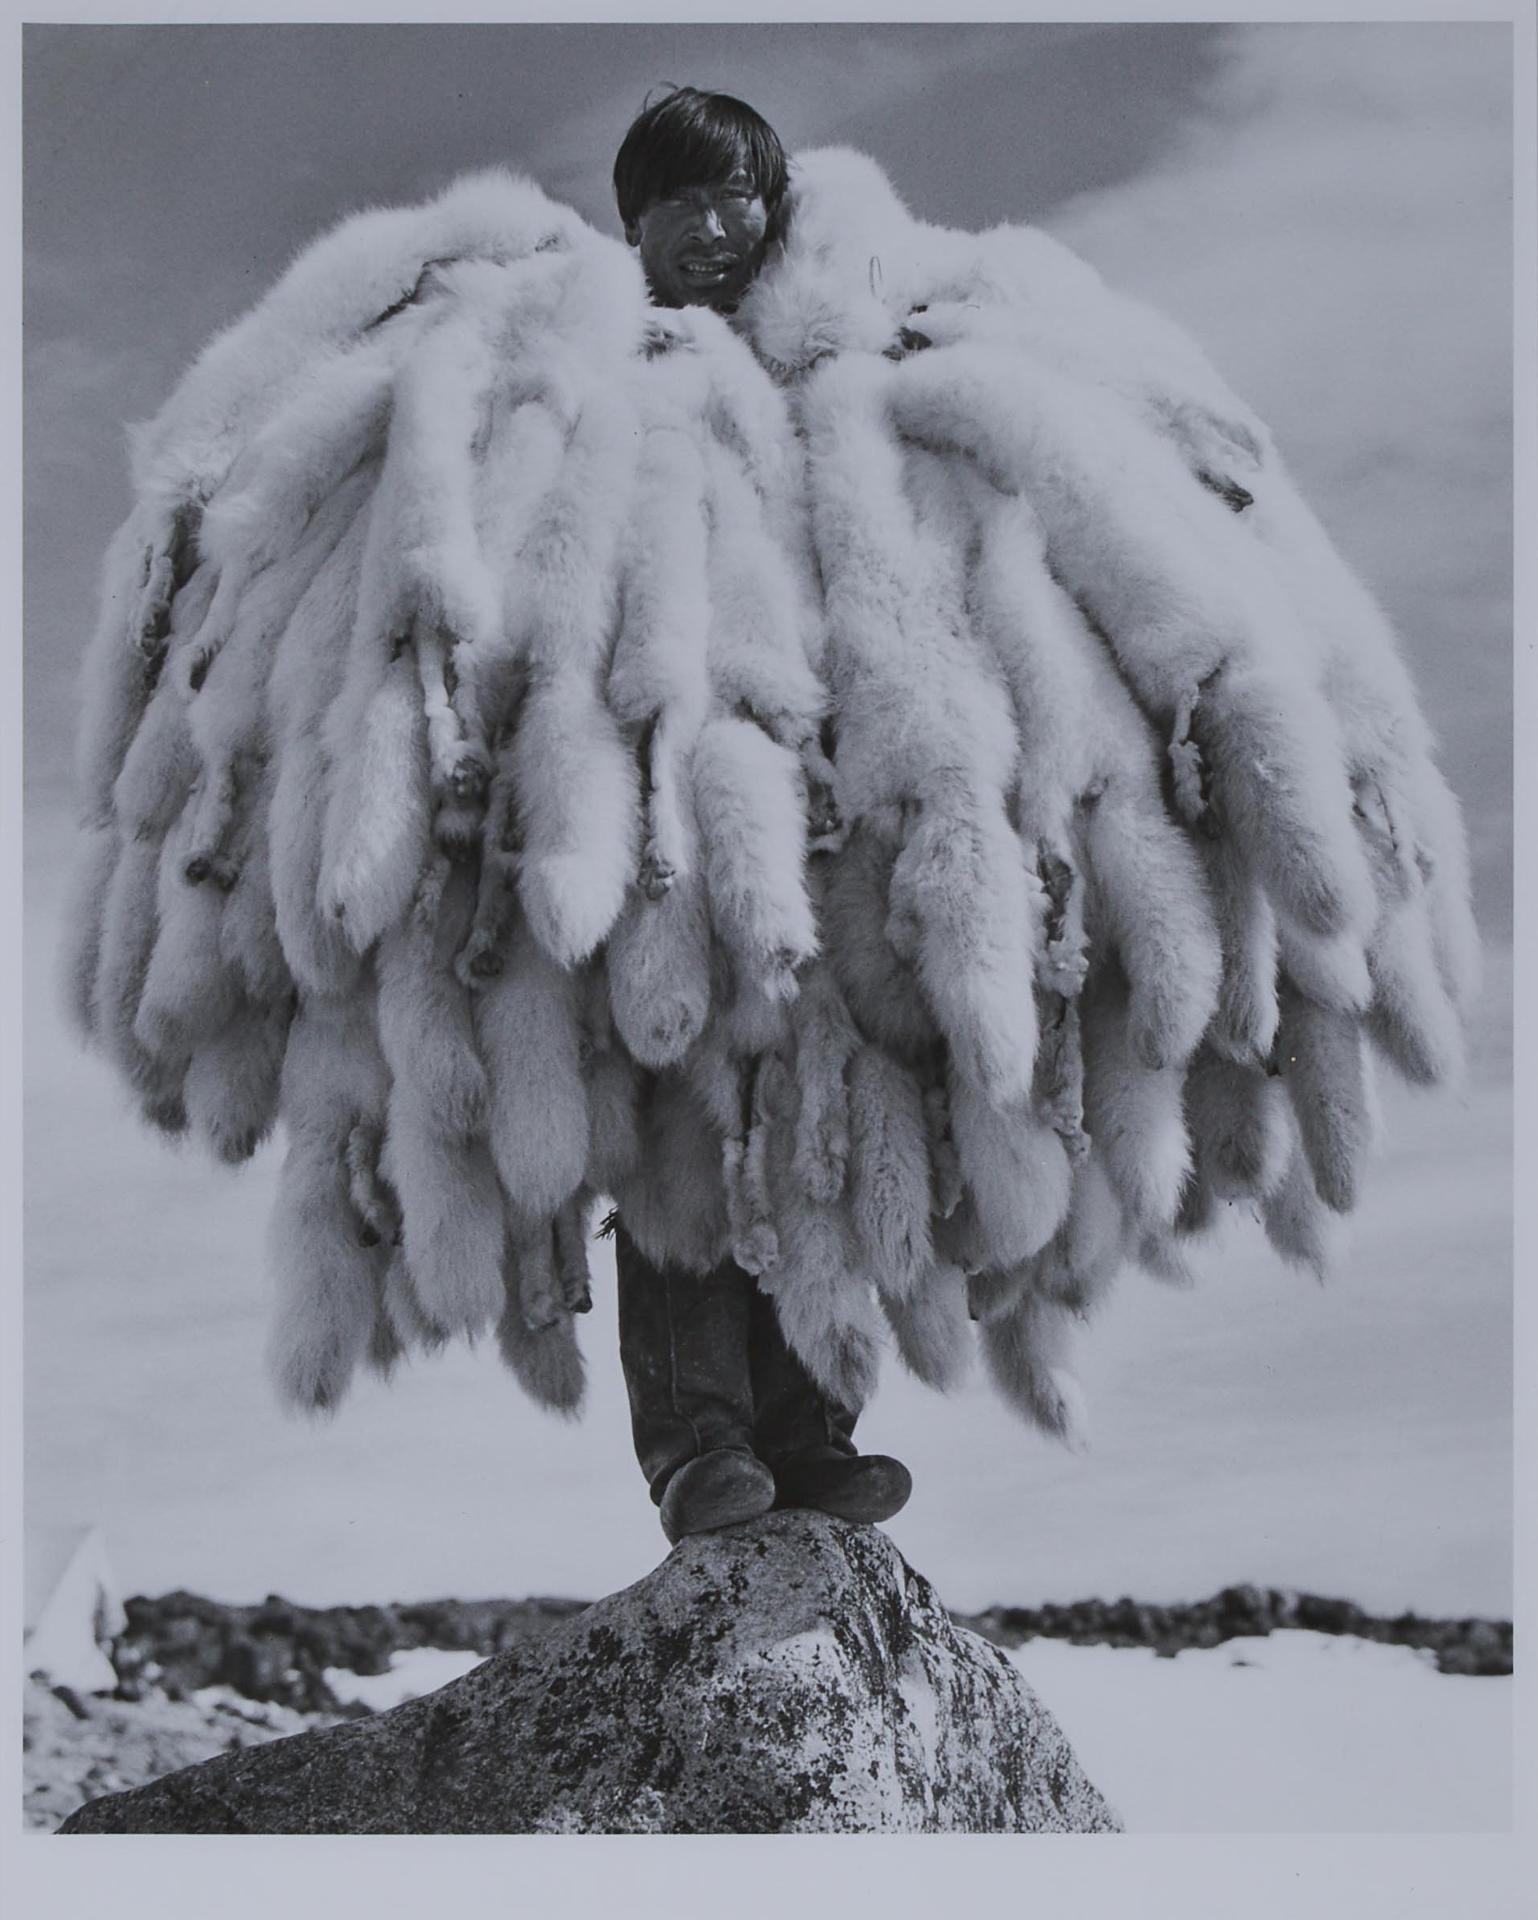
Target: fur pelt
x=847 y=783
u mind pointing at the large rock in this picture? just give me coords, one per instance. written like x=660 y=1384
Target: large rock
x=789 y=1676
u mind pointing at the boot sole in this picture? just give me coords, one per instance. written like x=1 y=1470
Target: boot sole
x=863 y=1505
x=747 y=1496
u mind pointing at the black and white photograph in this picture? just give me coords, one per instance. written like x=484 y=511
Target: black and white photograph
x=767 y=889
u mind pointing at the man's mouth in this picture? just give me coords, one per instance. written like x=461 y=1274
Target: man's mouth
x=705 y=273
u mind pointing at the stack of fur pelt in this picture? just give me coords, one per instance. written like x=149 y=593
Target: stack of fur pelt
x=895 y=789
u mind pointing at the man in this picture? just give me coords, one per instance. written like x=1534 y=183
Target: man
x=1136 y=802
x=700 y=181
x=726 y=1421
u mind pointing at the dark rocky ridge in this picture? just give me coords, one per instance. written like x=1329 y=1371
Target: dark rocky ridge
x=1470 y=1646
x=278 y=1651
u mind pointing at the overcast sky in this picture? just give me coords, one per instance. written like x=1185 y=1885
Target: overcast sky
x=1328 y=206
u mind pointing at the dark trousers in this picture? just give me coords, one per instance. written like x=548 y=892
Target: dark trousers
x=706 y=1366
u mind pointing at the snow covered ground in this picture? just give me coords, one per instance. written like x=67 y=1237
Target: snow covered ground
x=414 y=1671
x=1293 y=1733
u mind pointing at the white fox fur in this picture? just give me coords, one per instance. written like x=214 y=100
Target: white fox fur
x=889 y=1172
x=453 y=1215
x=857 y=263
x=1016 y=1170
x=1026 y=1350
x=335 y=290
x=880 y=986
x=233 y=1080
x=658 y=677
x=826 y=1042
x=378 y=830
x=1132 y=1112
x=90 y=887
x=546 y=1362
x=130 y=923
x=227 y=710
x=541 y=1351
x=426 y=1017
x=528 y=1030
x=248 y=931
x=1244 y=1024
x=307 y=675
x=579 y=827
x=658 y=965
x=921 y=725
x=674 y=1207
x=159 y=770
x=190 y=990
x=374 y=743
x=1331 y=969
x=747 y=799
x=291 y=469
x=961 y=876
x=326 y=1279
x=822 y=1289
x=659 y=655
x=1087 y=768
x=1083 y=1256
x=614 y=1134
x=1324 y=1068
x=1455 y=937
x=757 y=654
x=841 y=780
x=932 y=1327
x=1167 y=578
x=1237 y=1115
x=1391 y=756
x=1155 y=909
x=401 y=1307
x=1297 y=1222
x=117 y=679
x=1413 y=1015
x=579 y=830
x=160 y=764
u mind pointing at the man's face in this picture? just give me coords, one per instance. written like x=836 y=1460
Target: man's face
x=702 y=246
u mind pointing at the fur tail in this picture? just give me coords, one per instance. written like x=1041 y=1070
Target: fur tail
x=933 y=1328
x=1025 y=1351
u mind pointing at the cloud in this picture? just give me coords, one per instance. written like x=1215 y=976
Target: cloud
x=75 y=461
x=71 y=387
x=1334 y=225
x=814 y=86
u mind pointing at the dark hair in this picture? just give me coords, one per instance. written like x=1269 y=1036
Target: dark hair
x=694 y=139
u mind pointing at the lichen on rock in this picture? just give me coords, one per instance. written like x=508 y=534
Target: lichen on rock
x=793 y=1675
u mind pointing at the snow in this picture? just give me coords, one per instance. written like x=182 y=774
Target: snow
x=412 y=1672
x=73 y=1608
x=1292 y=1733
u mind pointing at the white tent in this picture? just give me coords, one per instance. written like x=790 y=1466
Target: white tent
x=73 y=1611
